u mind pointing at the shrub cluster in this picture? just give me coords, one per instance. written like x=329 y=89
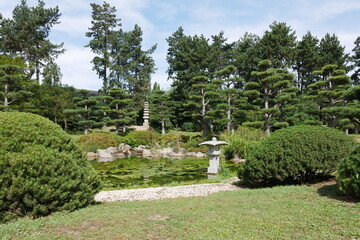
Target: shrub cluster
x=295 y=155
x=348 y=174
x=94 y=141
x=241 y=142
x=42 y=170
x=136 y=138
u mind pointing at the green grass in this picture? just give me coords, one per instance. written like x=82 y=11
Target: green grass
x=286 y=212
x=356 y=136
x=179 y=133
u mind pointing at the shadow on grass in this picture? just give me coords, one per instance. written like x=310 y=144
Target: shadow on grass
x=332 y=191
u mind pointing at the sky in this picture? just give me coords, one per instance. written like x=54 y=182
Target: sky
x=160 y=18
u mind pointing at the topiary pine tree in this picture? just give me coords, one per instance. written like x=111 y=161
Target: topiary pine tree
x=84 y=110
x=122 y=111
x=161 y=107
x=328 y=92
x=229 y=93
x=203 y=95
x=274 y=87
x=12 y=80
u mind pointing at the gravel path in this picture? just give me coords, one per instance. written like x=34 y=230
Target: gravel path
x=143 y=194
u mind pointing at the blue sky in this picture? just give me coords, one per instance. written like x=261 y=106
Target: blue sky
x=160 y=18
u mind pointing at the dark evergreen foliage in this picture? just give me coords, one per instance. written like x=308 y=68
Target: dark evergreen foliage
x=41 y=169
x=348 y=174
x=296 y=155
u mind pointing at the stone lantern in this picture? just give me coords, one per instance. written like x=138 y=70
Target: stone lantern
x=214 y=153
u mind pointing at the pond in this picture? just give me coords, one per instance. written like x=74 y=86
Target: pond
x=143 y=172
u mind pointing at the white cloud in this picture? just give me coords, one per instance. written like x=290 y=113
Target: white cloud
x=77 y=69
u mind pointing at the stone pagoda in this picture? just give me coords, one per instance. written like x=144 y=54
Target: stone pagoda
x=146 y=115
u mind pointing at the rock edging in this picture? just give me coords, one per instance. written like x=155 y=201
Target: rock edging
x=149 y=194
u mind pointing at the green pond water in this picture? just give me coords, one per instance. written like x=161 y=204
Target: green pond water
x=128 y=172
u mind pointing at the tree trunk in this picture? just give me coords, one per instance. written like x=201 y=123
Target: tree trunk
x=86 y=131
x=162 y=127
x=266 y=115
x=65 y=124
x=6 y=92
x=228 y=114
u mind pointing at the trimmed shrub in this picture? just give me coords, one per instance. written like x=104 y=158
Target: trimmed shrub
x=42 y=170
x=348 y=174
x=136 y=138
x=241 y=142
x=295 y=155
x=94 y=141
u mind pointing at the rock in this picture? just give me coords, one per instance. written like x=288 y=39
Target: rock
x=119 y=155
x=127 y=153
x=191 y=154
x=124 y=147
x=146 y=153
x=91 y=156
x=200 y=155
x=166 y=151
x=104 y=155
x=112 y=150
x=177 y=155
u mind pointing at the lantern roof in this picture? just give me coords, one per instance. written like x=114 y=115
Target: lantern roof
x=214 y=142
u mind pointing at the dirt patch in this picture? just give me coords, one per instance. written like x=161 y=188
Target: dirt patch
x=159 y=217
x=78 y=229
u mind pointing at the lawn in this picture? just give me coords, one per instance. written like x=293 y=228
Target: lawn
x=356 y=136
x=286 y=212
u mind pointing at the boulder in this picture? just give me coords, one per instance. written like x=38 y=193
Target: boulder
x=119 y=155
x=200 y=155
x=177 y=155
x=146 y=153
x=103 y=155
x=112 y=150
x=191 y=154
x=166 y=151
x=124 y=147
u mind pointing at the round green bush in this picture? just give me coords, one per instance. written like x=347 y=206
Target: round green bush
x=348 y=174
x=42 y=170
x=295 y=155
x=136 y=138
x=94 y=141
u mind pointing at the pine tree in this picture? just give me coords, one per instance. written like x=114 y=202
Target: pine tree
x=26 y=35
x=202 y=100
x=102 y=34
x=355 y=77
x=307 y=60
x=331 y=52
x=230 y=93
x=328 y=92
x=12 y=80
x=246 y=55
x=271 y=85
x=278 y=45
x=84 y=110
x=140 y=65
x=122 y=109
x=52 y=74
x=161 y=107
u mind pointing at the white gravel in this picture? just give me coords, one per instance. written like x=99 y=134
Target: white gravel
x=147 y=194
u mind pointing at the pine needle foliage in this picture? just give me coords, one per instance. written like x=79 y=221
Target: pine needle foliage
x=296 y=154
x=42 y=170
x=348 y=174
